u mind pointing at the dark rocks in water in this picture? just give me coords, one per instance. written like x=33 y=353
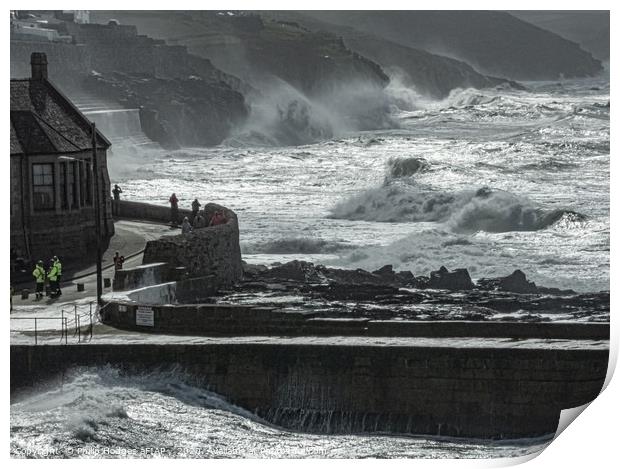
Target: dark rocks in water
x=342 y=281
x=250 y=270
x=405 y=167
x=443 y=279
x=300 y=271
x=387 y=274
x=406 y=278
x=517 y=283
x=556 y=291
x=353 y=292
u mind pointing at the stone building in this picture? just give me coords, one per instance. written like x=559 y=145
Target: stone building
x=52 y=206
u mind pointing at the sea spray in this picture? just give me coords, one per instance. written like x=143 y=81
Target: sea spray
x=167 y=414
x=483 y=209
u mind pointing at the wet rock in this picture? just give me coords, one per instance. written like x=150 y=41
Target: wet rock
x=555 y=291
x=406 y=278
x=387 y=274
x=517 y=283
x=354 y=292
x=175 y=112
x=443 y=279
x=299 y=271
x=354 y=277
x=252 y=270
x=421 y=282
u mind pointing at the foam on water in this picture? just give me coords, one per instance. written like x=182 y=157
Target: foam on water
x=402 y=196
x=101 y=408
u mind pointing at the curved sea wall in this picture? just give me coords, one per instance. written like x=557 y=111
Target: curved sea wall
x=203 y=252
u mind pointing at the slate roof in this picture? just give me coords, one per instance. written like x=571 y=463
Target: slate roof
x=44 y=121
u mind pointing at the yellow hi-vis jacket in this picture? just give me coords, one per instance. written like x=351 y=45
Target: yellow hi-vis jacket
x=58 y=266
x=53 y=273
x=39 y=274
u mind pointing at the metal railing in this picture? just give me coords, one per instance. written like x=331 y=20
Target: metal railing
x=76 y=320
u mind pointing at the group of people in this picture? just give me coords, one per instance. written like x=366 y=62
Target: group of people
x=197 y=219
x=51 y=274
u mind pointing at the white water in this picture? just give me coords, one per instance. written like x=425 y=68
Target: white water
x=99 y=410
x=506 y=179
x=490 y=180
x=122 y=128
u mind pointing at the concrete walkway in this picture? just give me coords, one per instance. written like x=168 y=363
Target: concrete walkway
x=129 y=240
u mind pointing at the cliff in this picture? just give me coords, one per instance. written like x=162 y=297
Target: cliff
x=302 y=86
x=494 y=43
x=175 y=112
x=184 y=99
x=589 y=29
x=430 y=74
x=255 y=48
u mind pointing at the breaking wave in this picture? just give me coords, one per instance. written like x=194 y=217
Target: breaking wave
x=484 y=209
x=404 y=167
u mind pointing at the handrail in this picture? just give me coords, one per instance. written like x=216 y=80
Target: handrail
x=80 y=313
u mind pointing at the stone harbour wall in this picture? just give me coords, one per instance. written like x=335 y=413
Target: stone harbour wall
x=464 y=392
x=207 y=251
x=144 y=211
x=175 y=309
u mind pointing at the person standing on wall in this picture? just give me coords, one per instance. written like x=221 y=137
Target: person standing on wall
x=186 y=227
x=195 y=209
x=200 y=221
x=39 y=277
x=117 y=191
x=174 y=209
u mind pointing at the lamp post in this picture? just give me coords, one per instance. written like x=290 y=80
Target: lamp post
x=97 y=212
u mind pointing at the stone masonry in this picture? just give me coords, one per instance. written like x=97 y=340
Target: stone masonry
x=207 y=251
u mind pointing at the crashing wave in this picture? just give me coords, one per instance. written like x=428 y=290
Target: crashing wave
x=293 y=122
x=404 y=167
x=459 y=97
x=466 y=211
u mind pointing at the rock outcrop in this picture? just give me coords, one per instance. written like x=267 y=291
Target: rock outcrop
x=429 y=74
x=175 y=112
x=443 y=279
x=386 y=294
x=184 y=99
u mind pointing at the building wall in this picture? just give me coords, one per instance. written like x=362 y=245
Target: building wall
x=68 y=234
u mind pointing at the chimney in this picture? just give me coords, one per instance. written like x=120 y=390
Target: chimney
x=38 y=64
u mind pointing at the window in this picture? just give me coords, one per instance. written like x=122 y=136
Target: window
x=82 y=182
x=43 y=195
x=62 y=179
x=89 y=183
x=71 y=184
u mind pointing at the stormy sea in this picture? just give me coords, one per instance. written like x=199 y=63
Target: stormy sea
x=101 y=413
x=491 y=180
